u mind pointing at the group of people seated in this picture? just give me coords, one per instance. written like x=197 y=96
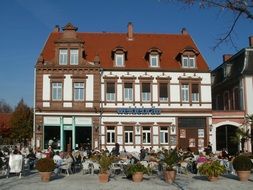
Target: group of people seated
x=189 y=159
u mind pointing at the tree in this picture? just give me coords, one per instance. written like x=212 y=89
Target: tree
x=22 y=122
x=241 y=8
x=249 y=121
x=243 y=134
x=4 y=107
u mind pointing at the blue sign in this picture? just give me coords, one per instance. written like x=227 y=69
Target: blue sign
x=139 y=111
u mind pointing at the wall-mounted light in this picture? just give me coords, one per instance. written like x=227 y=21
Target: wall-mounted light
x=173 y=129
x=138 y=128
x=96 y=128
x=38 y=127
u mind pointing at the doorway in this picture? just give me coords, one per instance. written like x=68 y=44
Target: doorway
x=67 y=140
x=224 y=136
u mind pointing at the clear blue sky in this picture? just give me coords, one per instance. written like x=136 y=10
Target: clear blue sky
x=26 y=24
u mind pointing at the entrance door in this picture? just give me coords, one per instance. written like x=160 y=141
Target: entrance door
x=67 y=140
x=224 y=136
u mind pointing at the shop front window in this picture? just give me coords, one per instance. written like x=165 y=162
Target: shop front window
x=52 y=137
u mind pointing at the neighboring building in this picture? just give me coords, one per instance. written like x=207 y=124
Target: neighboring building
x=151 y=90
x=232 y=92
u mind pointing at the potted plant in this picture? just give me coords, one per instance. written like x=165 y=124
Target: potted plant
x=136 y=171
x=170 y=159
x=242 y=165
x=212 y=169
x=104 y=162
x=45 y=166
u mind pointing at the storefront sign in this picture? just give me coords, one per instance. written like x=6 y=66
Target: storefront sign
x=139 y=111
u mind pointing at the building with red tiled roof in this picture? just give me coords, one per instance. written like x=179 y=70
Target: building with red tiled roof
x=134 y=89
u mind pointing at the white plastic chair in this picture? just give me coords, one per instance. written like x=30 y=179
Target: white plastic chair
x=95 y=168
x=86 y=167
x=66 y=167
x=15 y=164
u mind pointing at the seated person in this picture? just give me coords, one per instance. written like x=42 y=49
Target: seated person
x=202 y=158
x=58 y=161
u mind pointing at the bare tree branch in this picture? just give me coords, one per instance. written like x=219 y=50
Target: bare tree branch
x=239 y=7
x=228 y=34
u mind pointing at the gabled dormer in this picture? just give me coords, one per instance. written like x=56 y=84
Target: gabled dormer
x=153 y=57
x=119 y=56
x=188 y=57
x=69 y=49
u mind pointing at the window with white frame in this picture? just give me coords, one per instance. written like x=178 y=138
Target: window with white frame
x=63 y=56
x=195 y=92
x=128 y=91
x=146 y=92
x=110 y=91
x=56 y=91
x=110 y=135
x=119 y=60
x=163 y=91
x=185 y=92
x=146 y=135
x=74 y=57
x=154 y=60
x=164 y=134
x=128 y=134
x=188 y=61
x=78 y=91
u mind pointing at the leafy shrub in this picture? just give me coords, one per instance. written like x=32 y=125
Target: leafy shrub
x=212 y=168
x=171 y=159
x=45 y=165
x=242 y=163
x=104 y=162
x=133 y=168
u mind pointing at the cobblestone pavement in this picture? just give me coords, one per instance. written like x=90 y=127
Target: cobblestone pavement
x=90 y=182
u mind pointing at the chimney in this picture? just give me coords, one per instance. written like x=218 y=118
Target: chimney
x=130 y=34
x=56 y=28
x=226 y=57
x=251 y=41
x=184 y=31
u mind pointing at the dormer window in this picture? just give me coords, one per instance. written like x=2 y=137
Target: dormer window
x=119 y=60
x=153 y=57
x=63 y=57
x=154 y=60
x=188 y=61
x=188 y=57
x=74 y=57
x=119 y=56
x=68 y=56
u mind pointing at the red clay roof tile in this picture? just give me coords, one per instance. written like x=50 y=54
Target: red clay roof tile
x=103 y=44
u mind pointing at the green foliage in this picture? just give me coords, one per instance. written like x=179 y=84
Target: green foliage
x=171 y=159
x=242 y=163
x=133 y=168
x=45 y=165
x=104 y=162
x=22 y=122
x=212 y=168
x=5 y=107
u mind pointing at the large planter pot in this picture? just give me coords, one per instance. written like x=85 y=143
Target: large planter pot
x=169 y=176
x=137 y=177
x=103 y=177
x=243 y=175
x=45 y=176
x=212 y=178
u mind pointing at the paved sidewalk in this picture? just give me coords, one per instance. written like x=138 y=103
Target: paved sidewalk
x=90 y=182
